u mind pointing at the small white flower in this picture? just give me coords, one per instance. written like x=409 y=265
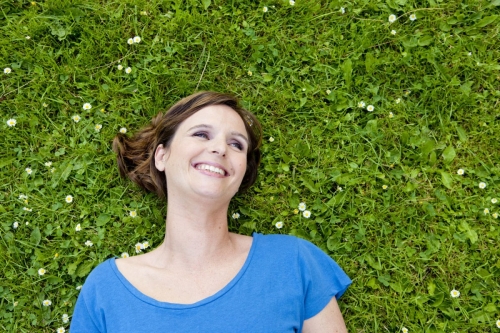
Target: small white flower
x=393 y=32
x=15 y=225
x=486 y=211
x=11 y=122
x=292 y=3
x=279 y=225
x=339 y=189
x=460 y=172
x=45 y=105
x=61 y=329
x=128 y=70
x=130 y=41
x=133 y=213
x=137 y=39
x=249 y=73
x=15 y=303
x=404 y=330
x=392 y=18
x=27 y=209
x=28 y=171
x=265 y=9
x=123 y=130
x=41 y=271
x=271 y=139
x=482 y=185
x=53 y=170
x=385 y=187
x=125 y=255
x=69 y=199
x=361 y=104
x=98 y=127
x=469 y=54
x=78 y=227
x=328 y=91
x=27 y=223
x=494 y=200
x=494 y=215
x=76 y=118
x=48 y=163
x=455 y=293
x=407 y=93
x=89 y=243
x=342 y=10
x=23 y=197
x=65 y=318
x=47 y=302
x=79 y=287
x=413 y=17
x=306 y=214
x=28 y=37
x=145 y=245
x=303 y=89
x=236 y=215
x=7 y=70
x=138 y=247
x=398 y=100
x=391 y=115
x=370 y=108
x=87 y=106
x=302 y=206
x=498 y=323
x=120 y=67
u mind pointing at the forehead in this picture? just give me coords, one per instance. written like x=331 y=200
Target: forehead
x=216 y=116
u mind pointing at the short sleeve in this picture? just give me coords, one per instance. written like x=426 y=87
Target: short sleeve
x=82 y=320
x=322 y=278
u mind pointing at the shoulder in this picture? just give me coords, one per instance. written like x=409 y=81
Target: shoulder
x=100 y=276
x=288 y=243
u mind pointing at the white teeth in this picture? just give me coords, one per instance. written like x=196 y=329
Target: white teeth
x=210 y=168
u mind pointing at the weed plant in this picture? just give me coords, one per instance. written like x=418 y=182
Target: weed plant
x=386 y=131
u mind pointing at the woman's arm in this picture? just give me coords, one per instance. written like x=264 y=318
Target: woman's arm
x=329 y=320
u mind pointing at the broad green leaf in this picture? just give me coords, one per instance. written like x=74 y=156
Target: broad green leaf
x=384 y=279
x=490 y=308
x=102 y=219
x=396 y=286
x=449 y=154
x=462 y=135
x=84 y=269
x=309 y=184
x=372 y=283
x=347 y=70
x=206 y=3
x=370 y=62
x=373 y=263
x=486 y=20
x=35 y=236
x=471 y=235
x=425 y=40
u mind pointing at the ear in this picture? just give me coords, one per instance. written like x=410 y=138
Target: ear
x=161 y=156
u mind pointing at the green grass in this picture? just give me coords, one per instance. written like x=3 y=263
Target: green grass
x=405 y=247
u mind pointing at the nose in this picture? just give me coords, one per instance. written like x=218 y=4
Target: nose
x=218 y=146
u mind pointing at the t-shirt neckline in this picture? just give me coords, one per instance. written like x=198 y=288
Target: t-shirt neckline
x=133 y=290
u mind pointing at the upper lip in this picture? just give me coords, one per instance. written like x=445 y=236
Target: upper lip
x=217 y=165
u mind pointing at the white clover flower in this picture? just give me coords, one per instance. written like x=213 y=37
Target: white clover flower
x=137 y=39
x=130 y=41
x=28 y=171
x=306 y=214
x=78 y=227
x=482 y=185
x=392 y=18
x=89 y=243
x=138 y=247
x=78 y=287
x=404 y=330
x=15 y=225
x=65 y=318
x=279 y=225
x=342 y=10
x=271 y=139
x=11 y=122
x=494 y=215
x=236 y=215
x=61 y=330
x=69 y=199
x=302 y=206
x=27 y=209
x=47 y=302
x=128 y=70
x=391 y=115
x=413 y=17
x=264 y=9
x=98 y=127
x=328 y=91
x=361 y=104
x=370 y=108
x=7 y=70
x=87 y=106
x=76 y=118
x=120 y=67
x=486 y=211
x=48 y=163
x=460 y=172
x=398 y=100
x=123 y=130
x=125 y=255
x=133 y=213
x=41 y=271
x=393 y=32
x=385 y=187
x=455 y=293
x=292 y=3
x=494 y=200
x=145 y=245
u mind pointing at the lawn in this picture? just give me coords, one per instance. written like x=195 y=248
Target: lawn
x=382 y=117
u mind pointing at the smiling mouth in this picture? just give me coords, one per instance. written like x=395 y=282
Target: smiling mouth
x=211 y=168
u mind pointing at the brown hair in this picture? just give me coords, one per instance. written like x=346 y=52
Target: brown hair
x=135 y=155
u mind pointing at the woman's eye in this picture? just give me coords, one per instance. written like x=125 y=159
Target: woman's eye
x=201 y=135
x=237 y=145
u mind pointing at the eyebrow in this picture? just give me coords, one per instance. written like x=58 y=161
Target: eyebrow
x=238 y=134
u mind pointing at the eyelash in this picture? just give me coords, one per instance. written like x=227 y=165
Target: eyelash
x=237 y=145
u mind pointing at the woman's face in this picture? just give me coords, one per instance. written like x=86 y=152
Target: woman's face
x=207 y=156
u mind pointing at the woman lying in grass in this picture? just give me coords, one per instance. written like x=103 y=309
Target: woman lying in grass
x=203 y=278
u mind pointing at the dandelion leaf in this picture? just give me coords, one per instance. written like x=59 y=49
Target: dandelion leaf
x=449 y=154
x=486 y=20
x=84 y=269
x=35 y=236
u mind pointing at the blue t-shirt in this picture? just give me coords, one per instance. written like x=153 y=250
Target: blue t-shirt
x=284 y=281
